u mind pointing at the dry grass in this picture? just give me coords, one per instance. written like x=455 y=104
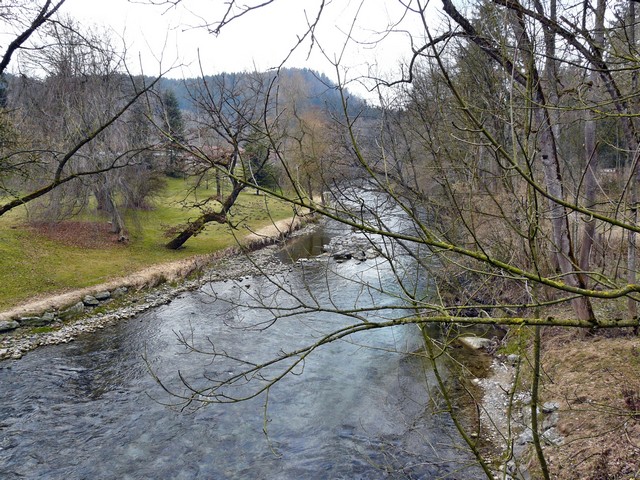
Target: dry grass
x=596 y=381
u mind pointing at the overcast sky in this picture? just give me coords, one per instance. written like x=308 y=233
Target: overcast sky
x=162 y=38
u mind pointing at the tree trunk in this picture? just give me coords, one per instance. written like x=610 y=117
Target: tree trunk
x=591 y=154
x=192 y=229
x=634 y=173
x=559 y=215
x=309 y=188
x=195 y=227
x=218 y=184
x=117 y=224
x=551 y=78
x=560 y=227
x=590 y=185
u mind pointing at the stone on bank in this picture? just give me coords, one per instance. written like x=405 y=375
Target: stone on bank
x=476 y=343
x=7 y=326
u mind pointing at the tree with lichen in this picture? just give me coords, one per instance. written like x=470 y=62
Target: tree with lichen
x=230 y=109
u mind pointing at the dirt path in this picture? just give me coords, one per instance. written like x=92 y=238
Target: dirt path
x=153 y=275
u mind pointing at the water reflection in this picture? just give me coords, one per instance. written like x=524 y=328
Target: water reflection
x=305 y=246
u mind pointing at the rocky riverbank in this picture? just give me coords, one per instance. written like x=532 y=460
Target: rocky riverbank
x=505 y=419
x=104 y=307
x=61 y=318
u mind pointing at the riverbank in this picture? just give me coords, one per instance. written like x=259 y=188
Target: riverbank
x=588 y=408
x=590 y=384
x=146 y=289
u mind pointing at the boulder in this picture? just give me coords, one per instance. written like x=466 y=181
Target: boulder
x=90 y=301
x=475 y=343
x=119 y=292
x=8 y=325
x=35 y=321
x=342 y=255
x=72 y=311
x=371 y=253
x=550 y=421
x=32 y=321
x=360 y=256
x=552 y=437
x=102 y=296
x=525 y=437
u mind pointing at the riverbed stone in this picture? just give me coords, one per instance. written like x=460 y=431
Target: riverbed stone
x=372 y=253
x=33 y=321
x=90 y=301
x=72 y=311
x=360 y=256
x=102 y=296
x=553 y=437
x=342 y=255
x=524 y=398
x=119 y=292
x=8 y=325
x=550 y=420
x=525 y=437
x=513 y=359
x=549 y=407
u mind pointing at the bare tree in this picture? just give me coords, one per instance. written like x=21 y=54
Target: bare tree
x=231 y=109
x=487 y=194
x=26 y=18
x=80 y=119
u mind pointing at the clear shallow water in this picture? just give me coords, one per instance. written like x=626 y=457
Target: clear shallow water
x=358 y=409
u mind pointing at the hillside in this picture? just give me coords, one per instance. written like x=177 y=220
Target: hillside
x=312 y=90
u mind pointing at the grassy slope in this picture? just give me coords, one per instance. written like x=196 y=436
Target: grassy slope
x=595 y=381
x=32 y=264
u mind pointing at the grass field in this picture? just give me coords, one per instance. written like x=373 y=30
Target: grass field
x=79 y=253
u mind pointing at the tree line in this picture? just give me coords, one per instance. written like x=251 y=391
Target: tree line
x=78 y=129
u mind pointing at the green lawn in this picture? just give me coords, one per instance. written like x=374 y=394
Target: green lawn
x=32 y=264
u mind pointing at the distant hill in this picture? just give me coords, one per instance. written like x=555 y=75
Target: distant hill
x=313 y=90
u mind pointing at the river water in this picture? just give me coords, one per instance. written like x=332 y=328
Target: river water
x=358 y=408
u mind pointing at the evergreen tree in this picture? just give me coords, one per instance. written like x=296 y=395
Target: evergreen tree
x=173 y=130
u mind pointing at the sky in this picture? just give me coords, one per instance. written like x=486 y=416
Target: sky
x=165 y=38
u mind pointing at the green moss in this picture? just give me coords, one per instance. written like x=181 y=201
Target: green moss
x=515 y=341
x=35 y=330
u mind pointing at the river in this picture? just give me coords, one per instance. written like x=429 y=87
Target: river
x=358 y=408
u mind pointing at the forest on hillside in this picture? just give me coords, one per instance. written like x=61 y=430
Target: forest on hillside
x=80 y=133
x=315 y=90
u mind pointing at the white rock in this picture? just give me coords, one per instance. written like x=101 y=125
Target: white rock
x=475 y=343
